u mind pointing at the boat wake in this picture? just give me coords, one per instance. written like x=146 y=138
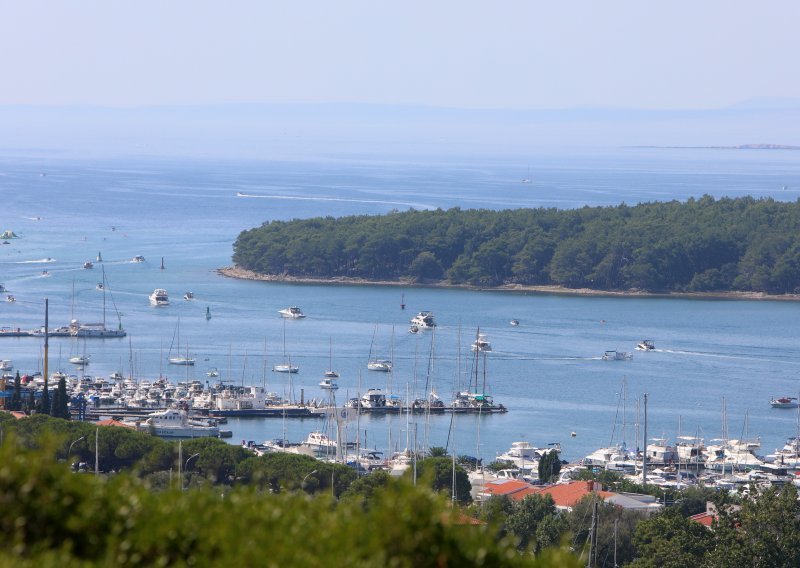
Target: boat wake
x=39 y=261
x=715 y=355
x=342 y=199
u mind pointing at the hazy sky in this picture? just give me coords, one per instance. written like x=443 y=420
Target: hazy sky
x=503 y=54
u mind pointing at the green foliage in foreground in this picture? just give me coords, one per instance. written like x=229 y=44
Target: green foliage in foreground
x=742 y=244
x=50 y=516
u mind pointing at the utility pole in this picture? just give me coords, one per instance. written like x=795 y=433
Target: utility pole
x=46 y=396
x=593 y=536
x=644 y=455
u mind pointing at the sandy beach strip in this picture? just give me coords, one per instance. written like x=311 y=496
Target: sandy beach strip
x=243 y=274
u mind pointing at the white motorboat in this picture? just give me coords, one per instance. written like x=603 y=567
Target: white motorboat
x=481 y=344
x=286 y=368
x=159 y=297
x=292 y=312
x=6 y=365
x=382 y=365
x=784 y=402
x=320 y=442
x=514 y=323
x=328 y=383
x=423 y=320
x=137 y=258
x=213 y=372
x=646 y=345
x=181 y=360
x=10 y=299
x=173 y=423
x=188 y=296
x=523 y=454
x=80 y=359
x=88 y=264
x=612 y=355
x=413 y=329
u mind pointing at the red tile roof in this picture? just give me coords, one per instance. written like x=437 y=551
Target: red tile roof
x=568 y=494
x=704 y=519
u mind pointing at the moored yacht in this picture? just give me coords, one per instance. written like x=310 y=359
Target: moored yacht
x=79 y=360
x=383 y=365
x=173 y=423
x=181 y=360
x=328 y=383
x=286 y=368
x=159 y=297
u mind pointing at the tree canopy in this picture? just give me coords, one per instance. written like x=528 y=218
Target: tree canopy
x=702 y=245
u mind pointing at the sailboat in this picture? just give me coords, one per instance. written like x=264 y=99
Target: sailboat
x=528 y=178
x=287 y=366
x=97 y=330
x=179 y=359
x=475 y=398
x=330 y=373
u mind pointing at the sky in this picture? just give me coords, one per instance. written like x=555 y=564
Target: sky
x=465 y=54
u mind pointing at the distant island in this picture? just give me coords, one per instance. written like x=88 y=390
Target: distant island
x=742 y=247
x=739 y=147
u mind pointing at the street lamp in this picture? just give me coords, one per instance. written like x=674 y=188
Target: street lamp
x=186 y=466
x=73 y=443
x=303 y=483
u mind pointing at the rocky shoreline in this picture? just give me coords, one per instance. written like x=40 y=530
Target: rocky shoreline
x=242 y=274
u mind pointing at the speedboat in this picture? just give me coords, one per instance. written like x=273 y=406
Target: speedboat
x=10 y=298
x=212 y=372
x=45 y=273
x=331 y=374
x=481 y=343
x=88 y=264
x=138 y=258
x=612 y=355
x=646 y=345
x=423 y=320
x=784 y=402
x=328 y=383
x=99 y=286
x=188 y=296
x=413 y=329
x=159 y=297
x=383 y=365
x=514 y=323
x=292 y=312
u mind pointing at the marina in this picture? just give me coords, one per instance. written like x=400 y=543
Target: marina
x=544 y=368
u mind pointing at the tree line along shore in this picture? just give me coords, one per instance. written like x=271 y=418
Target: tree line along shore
x=742 y=247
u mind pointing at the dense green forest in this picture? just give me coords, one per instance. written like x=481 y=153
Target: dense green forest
x=703 y=245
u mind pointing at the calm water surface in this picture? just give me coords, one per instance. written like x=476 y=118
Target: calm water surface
x=547 y=371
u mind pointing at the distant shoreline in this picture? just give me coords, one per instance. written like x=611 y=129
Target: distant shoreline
x=242 y=274
x=738 y=147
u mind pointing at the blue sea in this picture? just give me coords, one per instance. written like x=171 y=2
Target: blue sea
x=548 y=371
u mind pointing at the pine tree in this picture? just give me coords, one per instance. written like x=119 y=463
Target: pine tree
x=44 y=407
x=60 y=407
x=16 y=396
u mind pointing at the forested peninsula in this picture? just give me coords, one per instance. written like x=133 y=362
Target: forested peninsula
x=722 y=245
